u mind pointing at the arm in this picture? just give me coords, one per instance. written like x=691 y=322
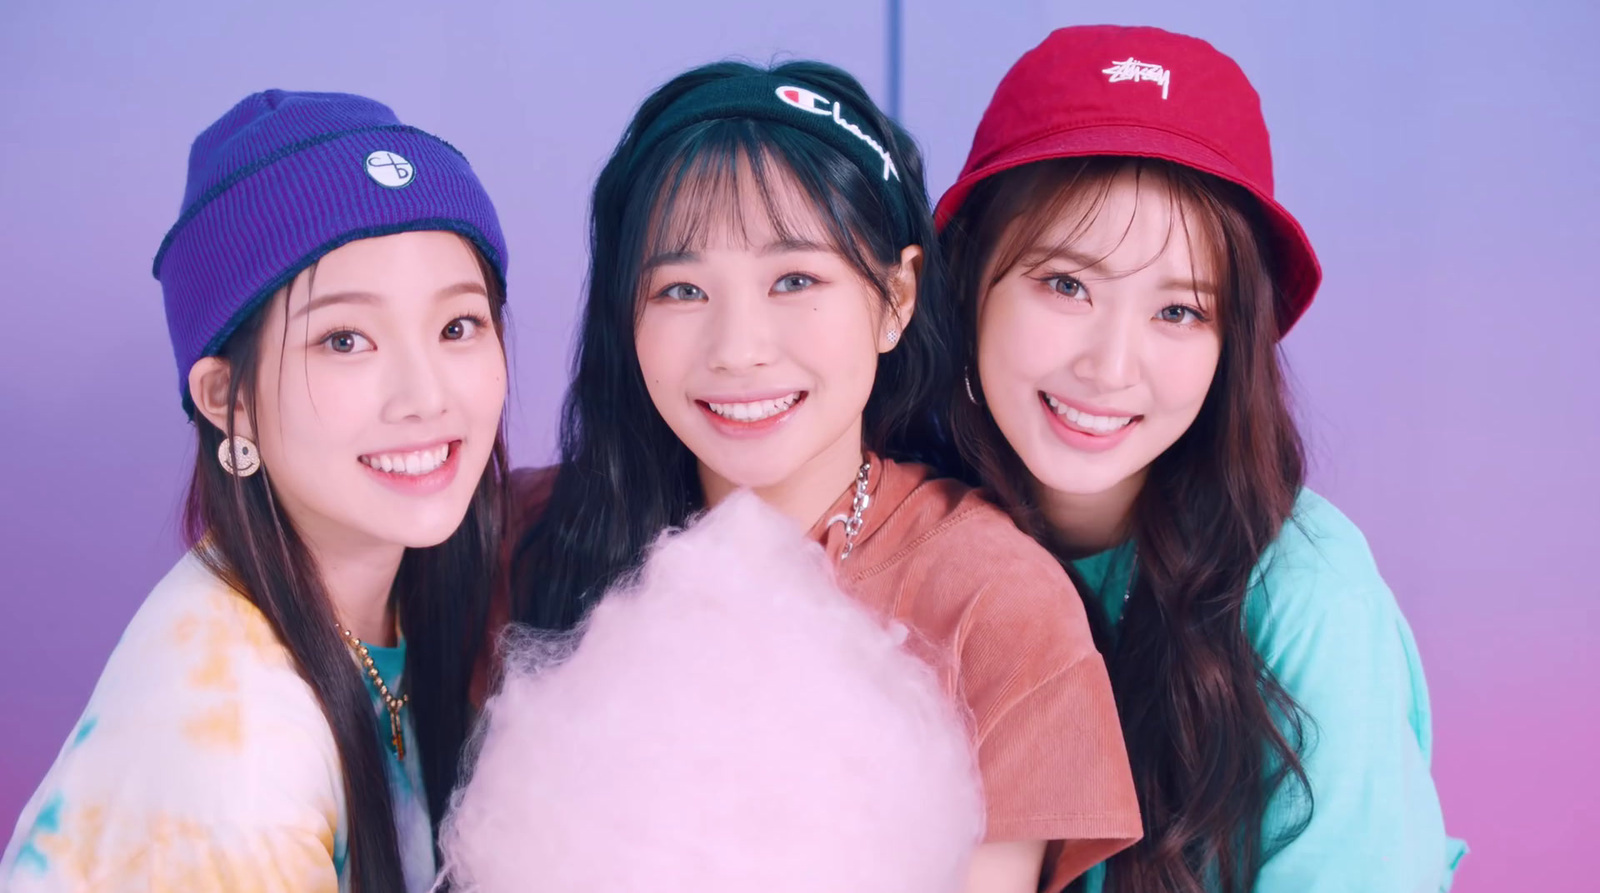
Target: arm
x=1050 y=750
x=202 y=763
x=1008 y=867
x=1347 y=658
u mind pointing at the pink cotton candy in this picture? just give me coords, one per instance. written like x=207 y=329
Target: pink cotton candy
x=730 y=723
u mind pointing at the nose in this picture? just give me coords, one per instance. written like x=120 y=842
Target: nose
x=742 y=333
x=1110 y=359
x=415 y=384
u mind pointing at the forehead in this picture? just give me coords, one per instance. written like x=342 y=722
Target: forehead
x=1132 y=221
x=399 y=266
x=734 y=201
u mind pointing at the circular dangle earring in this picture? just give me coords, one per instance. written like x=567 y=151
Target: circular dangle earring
x=238 y=456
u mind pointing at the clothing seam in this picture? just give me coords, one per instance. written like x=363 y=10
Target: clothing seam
x=900 y=554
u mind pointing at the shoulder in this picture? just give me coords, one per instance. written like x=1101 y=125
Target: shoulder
x=1319 y=566
x=969 y=549
x=203 y=698
x=1319 y=607
x=962 y=573
x=1319 y=542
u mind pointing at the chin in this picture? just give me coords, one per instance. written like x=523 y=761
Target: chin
x=751 y=472
x=1070 y=474
x=424 y=530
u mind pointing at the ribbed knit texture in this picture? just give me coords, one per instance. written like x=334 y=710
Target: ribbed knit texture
x=281 y=180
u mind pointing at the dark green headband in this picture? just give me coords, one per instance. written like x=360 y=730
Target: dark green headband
x=813 y=111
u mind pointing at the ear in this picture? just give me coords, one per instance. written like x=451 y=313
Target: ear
x=903 y=293
x=209 y=381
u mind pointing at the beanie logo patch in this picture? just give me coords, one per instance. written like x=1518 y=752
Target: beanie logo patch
x=390 y=170
x=807 y=101
x=1131 y=69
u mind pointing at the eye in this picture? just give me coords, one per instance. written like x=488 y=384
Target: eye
x=462 y=328
x=1066 y=286
x=683 y=291
x=1181 y=315
x=346 y=341
x=793 y=282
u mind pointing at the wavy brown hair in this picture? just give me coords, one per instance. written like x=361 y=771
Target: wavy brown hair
x=1212 y=736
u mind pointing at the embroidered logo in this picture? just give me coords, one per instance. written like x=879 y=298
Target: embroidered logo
x=816 y=104
x=1131 y=69
x=390 y=170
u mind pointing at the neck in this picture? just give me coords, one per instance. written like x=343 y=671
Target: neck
x=1086 y=523
x=358 y=580
x=813 y=488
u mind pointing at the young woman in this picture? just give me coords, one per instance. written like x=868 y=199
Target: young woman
x=286 y=709
x=1127 y=275
x=762 y=314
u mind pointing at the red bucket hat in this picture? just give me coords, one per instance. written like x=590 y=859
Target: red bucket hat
x=1144 y=92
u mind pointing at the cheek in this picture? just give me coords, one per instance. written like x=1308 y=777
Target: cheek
x=300 y=437
x=835 y=338
x=1019 y=343
x=312 y=405
x=1180 y=375
x=480 y=387
x=663 y=346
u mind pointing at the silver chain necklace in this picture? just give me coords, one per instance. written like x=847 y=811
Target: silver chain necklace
x=858 y=506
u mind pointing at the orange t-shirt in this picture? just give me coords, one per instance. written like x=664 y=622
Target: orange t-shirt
x=997 y=616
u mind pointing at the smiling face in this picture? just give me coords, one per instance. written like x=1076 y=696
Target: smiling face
x=759 y=342
x=379 y=390
x=1097 y=348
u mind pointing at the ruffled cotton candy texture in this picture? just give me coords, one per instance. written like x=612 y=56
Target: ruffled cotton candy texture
x=730 y=723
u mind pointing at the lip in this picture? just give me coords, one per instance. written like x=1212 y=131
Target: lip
x=750 y=396
x=736 y=429
x=1089 y=408
x=1082 y=440
x=420 y=484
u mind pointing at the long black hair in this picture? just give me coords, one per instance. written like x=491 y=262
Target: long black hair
x=441 y=595
x=623 y=476
x=1212 y=735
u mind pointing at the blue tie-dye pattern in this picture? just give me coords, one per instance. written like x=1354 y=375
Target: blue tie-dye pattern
x=84 y=728
x=48 y=821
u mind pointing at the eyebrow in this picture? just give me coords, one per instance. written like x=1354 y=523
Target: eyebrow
x=1190 y=286
x=1082 y=264
x=1038 y=257
x=370 y=298
x=779 y=246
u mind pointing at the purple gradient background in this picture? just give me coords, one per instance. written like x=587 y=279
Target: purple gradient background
x=1439 y=154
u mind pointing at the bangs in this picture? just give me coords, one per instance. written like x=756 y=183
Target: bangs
x=1075 y=190
x=718 y=174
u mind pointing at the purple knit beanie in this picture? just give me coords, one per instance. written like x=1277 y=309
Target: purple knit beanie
x=284 y=178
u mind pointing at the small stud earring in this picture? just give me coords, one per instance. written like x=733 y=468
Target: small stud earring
x=238 y=456
x=894 y=335
x=966 y=378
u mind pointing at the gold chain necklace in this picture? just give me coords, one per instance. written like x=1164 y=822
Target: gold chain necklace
x=396 y=734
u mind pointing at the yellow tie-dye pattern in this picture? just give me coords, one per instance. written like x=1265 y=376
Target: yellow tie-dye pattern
x=216 y=727
x=182 y=856
x=206 y=764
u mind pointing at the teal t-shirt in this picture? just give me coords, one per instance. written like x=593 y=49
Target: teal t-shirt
x=1326 y=624
x=413 y=828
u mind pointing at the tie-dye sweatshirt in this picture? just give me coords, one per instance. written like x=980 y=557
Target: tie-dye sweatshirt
x=204 y=763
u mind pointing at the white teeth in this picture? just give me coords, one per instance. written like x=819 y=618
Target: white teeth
x=756 y=410
x=412 y=464
x=1099 y=424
